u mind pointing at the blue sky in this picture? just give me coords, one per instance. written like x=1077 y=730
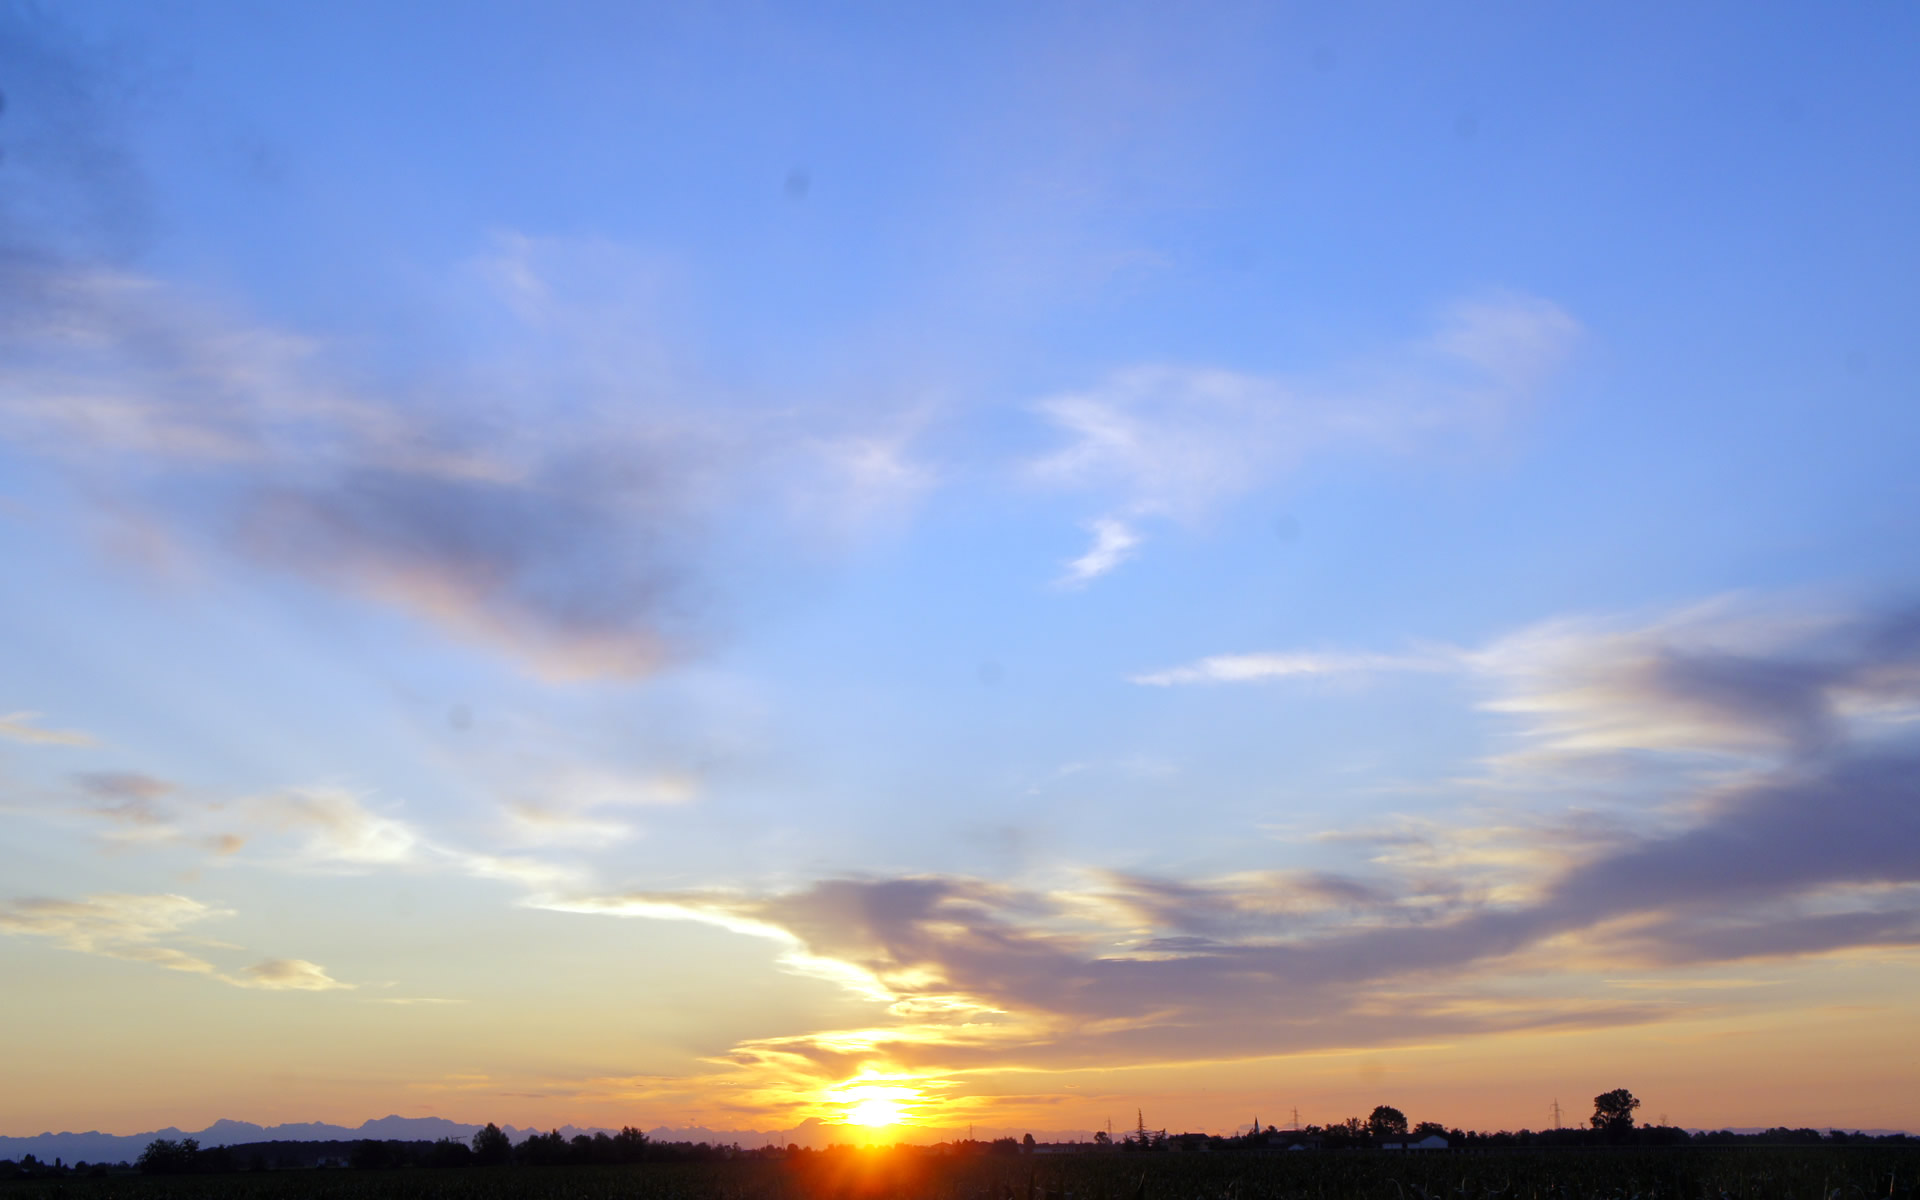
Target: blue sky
x=940 y=514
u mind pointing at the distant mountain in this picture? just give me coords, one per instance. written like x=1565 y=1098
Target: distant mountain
x=812 y=1133
x=94 y=1146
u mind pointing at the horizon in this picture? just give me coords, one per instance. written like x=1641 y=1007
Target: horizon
x=719 y=565
x=862 y=1136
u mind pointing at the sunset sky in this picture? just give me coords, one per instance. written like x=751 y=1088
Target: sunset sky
x=717 y=564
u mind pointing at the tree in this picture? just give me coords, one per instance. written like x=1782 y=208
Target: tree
x=448 y=1153
x=629 y=1145
x=1026 y=1144
x=164 y=1156
x=1613 y=1111
x=1427 y=1129
x=491 y=1147
x=1102 y=1138
x=1387 y=1121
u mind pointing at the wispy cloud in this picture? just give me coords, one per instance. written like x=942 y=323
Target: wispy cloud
x=1169 y=441
x=336 y=828
x=21 y=727
x=333 y=829
x=1114 y=542
x=287 y=974
x=1249 y=668
x=136 y=928
x=1725 y=678
x=126 y=796
x=566 y=536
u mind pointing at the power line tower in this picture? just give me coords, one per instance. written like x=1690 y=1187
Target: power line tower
x=1556 y=1112
x=1296 y=1119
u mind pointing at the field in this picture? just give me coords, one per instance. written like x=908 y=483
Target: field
x=1812 y=1173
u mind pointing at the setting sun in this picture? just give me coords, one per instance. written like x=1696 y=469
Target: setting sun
x=876 y=1103
x=874 y=1113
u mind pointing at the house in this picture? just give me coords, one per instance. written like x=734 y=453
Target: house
x=1432 y=1141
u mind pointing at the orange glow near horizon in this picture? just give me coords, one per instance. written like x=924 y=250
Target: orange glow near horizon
x=874 y=1114
x=876 y=1103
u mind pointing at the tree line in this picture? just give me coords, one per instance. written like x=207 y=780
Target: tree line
x=1612 y=1123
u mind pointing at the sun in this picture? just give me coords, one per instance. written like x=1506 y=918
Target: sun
x=876 y=1102
x=875 y=1112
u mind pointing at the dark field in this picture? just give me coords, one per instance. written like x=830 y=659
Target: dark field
x=1813 y=1173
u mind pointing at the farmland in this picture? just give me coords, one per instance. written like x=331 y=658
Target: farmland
x=1760 y=1173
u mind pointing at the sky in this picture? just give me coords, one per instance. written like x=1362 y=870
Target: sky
x=977 y=564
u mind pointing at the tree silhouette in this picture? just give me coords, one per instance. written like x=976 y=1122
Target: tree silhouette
x=1387 y=1121
x=164 y=1156
x=491 y=1147
x=1613 y=1111
x=630 y=1145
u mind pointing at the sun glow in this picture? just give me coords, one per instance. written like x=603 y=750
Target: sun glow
x=875 y=1113
x=876 y=1103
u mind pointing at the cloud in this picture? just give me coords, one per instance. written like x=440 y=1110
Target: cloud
x=134 y=928
x=585 y=805
x=1723 y=678
x=126 y=796
x=335 y=828
x=554 y=504
x=115 y=924
x=1812 y=847
x=1247 y=668
x=1169 y=441
x=20 y=727
x=287 y=974
x=1113 y=543
x=1163 y=970
x=73 y=185
x=1716 y=679
x=556 y=550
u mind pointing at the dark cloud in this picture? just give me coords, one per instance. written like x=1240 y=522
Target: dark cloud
x=568 y=546
x=1817 y=855
x=1854 y=821
x=1244 y=907
x=1718 y=682
x=578 y=573
x=69 y=184
x=560 y=538
x=122 y=785
x=126 y=795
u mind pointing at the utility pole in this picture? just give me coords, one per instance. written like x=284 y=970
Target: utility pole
x=1556 y=1112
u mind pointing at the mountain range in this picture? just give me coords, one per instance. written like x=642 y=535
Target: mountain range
x=94 y=1146
x=813 y=1133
